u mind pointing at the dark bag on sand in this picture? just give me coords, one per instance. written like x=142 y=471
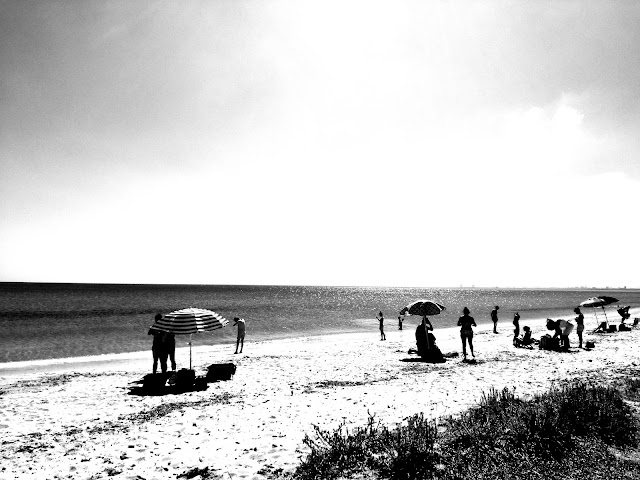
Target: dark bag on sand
x=612 y=329
x=547 y=342
x=589 y=344
x=185 y=379
x=220 y=371
x=624 y=328
x=154 y=381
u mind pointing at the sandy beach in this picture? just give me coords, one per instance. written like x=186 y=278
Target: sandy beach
x=78 y=418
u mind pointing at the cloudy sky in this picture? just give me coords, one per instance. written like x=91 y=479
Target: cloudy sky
x=405 y=143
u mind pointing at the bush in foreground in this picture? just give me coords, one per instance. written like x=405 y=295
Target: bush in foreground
x=503 y=437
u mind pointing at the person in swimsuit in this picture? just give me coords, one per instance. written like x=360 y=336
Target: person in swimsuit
x=494 y=318
x=516 y=324
x=580 y=324
x=380 y=318
x=465 y=322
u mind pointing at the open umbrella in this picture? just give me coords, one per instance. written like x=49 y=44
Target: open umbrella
x=189 y=321
x=596 y=302
x=422 y=308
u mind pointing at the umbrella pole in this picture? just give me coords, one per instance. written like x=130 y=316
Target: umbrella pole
x=605 y=316
x=190 y=338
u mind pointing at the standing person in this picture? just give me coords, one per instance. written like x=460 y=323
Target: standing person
x=516 y=331
x=580 y=324
x=158 y=348
x=380 y=318
x=465 y=322
x=169 y=341
x=241 y=331
x=494 y=318
x=400 y=320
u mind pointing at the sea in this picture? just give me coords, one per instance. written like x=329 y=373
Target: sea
x=52 y=321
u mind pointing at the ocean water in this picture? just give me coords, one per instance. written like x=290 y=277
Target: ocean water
x=46 y=321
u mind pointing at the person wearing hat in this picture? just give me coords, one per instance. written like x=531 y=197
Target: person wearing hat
x=494 y=318
x=241 y=329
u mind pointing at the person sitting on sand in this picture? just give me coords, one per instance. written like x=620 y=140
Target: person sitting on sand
x=526 y=340
x=465 y=322
x=580 y=325
x=424 y=339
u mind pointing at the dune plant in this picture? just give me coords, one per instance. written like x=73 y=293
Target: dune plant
x=502 y=437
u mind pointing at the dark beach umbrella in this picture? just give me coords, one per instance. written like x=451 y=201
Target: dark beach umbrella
x=602 y=301
x=189 y=321
x=422 y=308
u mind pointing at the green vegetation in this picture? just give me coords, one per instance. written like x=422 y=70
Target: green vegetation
x=570 y=432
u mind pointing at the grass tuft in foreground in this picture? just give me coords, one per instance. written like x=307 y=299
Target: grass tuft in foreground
x=558 y=434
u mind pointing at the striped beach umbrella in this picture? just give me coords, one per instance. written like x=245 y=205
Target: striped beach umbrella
x=189 y=321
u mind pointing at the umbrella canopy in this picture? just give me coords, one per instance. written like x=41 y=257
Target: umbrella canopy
x=422 y=308
x=598 y=301
x=189 y=321
x=601 y=301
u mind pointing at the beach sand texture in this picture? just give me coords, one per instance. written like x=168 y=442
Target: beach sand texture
x=84 y=423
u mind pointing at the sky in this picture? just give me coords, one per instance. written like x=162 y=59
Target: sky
x=383 y=143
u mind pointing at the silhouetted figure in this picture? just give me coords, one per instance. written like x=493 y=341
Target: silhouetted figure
x=465 y=322
x=240 y=323
x=494 y=318
x=516 y=324
x=380 y=318
x=579 y=325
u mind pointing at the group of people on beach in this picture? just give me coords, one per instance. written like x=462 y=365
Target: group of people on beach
x=561 y=328
x=163 y=347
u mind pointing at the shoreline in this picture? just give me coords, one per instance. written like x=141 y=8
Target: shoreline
x=143 y=357
x=82 y=421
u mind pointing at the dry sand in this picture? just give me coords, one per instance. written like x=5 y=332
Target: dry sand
x=77 y=419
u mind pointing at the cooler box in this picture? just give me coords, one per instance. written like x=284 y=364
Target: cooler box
x=185 y=379
x=220 y=371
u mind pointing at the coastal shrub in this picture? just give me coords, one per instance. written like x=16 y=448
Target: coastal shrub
x=405 y=452
x=502 y=437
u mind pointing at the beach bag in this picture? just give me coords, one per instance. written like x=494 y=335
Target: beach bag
x=545 y=342
x=612 y=329
x=154 y=381
x=220 y=371
x=589 y=344
x=624 y=328
x=185 y=379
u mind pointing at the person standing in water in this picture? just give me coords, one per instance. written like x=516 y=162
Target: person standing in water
x=580 y=324
x=465 y=322
x=380 y=318
x=494 y=318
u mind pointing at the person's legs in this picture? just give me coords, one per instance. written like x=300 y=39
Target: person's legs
x=155 y=361
x=471 y=345
x=464 y=347
x=241 y=344
x=495 y=327
x=237 y=345
x=172 y=357
x=163 y=361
